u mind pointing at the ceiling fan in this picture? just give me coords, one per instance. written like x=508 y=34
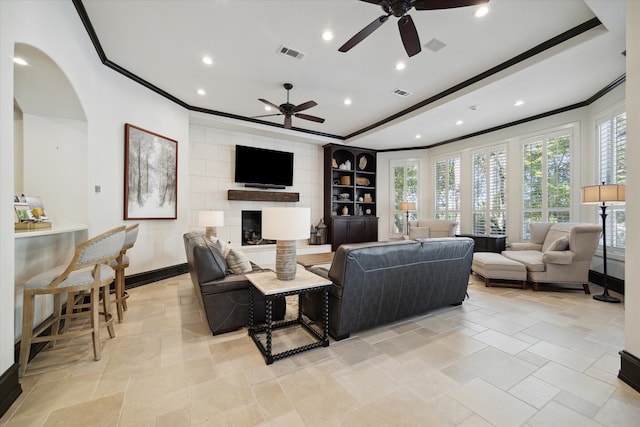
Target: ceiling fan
x=399 y=9
x=288 y=110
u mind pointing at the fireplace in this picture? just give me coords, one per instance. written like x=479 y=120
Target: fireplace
x=252 y=229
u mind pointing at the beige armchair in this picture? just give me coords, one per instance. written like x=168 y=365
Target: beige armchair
x=426 y=228
x=558 y=253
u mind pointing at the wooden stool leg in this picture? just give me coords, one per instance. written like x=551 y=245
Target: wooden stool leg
x=120 y=303
x=106 y=306
x=27 y=332
x=57 y=315
x=95 y=322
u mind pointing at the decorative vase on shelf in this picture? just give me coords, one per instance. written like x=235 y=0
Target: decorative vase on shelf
x=345 y=210
x=347 y=164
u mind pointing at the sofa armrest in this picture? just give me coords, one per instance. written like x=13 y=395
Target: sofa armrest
x=558 y=257
x=517 y=246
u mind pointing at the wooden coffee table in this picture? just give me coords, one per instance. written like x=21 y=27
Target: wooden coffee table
x=315 y=259
x=271 y=287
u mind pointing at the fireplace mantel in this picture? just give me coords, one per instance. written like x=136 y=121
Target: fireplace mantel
x=263 y=196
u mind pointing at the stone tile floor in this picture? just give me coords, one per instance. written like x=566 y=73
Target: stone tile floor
x=506 y=357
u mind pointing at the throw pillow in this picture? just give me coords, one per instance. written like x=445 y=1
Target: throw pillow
x=237 y=262
x=560 y=244
x=218 y=243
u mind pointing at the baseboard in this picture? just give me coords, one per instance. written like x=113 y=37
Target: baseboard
x=10 y=388
x=630 y=369
x=147 y=277
x=613 y=283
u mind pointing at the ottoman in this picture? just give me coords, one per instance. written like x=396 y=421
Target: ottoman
x=493 y=266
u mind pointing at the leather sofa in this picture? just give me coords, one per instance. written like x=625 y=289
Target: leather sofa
x=558 y=253
x=378 y=283
x=223 y=296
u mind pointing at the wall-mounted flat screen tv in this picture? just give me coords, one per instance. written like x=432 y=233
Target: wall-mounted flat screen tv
x=260 y=167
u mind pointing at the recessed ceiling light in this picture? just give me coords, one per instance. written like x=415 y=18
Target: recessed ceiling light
x=418 y=136
x=327 y=35
x=207 y=60
x=20 y=61
x=481 y=11
x=459 y=122
x=201 y=92
x=400 y=66
x=347 y=101
x=267 y=108
x=518 y=103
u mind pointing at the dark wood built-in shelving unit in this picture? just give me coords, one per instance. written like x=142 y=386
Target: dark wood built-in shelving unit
x=350 y=183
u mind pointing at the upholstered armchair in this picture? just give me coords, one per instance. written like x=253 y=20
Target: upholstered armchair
x=558 y=253
x=426 y=228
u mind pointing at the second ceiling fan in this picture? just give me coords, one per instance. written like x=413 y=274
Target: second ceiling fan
x=399 y=9
x=289 y=110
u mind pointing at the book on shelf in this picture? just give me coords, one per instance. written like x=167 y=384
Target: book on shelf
x=29 y=209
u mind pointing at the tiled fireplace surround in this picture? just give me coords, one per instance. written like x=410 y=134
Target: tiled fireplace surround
x=211 y=166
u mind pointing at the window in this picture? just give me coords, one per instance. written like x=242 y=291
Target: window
x=447 y=189
x=489 y=192
x=546 y=192
x=405 y=189
x=612 y=169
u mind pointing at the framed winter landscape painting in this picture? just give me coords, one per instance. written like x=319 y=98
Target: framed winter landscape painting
x=150 y=175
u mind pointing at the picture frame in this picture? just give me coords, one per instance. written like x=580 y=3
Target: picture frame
x=150 y=175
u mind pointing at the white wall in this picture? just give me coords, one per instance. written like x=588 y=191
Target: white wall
x=632 y=291
x=109 y=101
x=55 y=166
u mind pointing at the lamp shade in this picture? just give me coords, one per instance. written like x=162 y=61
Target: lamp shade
x=286 y=223
x=407 y=206
x=604 y=193
x=211 y=219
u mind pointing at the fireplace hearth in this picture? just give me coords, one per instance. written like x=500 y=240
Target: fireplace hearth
x=252 y=229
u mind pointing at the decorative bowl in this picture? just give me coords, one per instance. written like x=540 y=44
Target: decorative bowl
x=344 y=196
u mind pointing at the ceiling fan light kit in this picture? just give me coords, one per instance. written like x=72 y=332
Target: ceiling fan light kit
x=407 y=28
x=289 y=110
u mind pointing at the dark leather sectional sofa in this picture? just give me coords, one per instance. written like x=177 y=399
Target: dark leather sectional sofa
x=378 y=283
x=223 y=296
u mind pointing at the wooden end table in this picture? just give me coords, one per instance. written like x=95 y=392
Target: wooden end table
x=268 y=285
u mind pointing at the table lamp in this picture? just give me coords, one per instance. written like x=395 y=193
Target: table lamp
x=285 y=226
x=407 y=206
x=210 y=220
x=601 y=195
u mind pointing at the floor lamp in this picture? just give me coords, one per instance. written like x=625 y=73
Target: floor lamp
x=210 y=220
x=285 y=226
x=601 y=195
x=407 y=206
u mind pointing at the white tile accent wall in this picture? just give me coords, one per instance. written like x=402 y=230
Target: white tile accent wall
x=211 y=172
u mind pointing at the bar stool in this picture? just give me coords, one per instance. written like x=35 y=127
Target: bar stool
x=119 y=264
x=88 y=273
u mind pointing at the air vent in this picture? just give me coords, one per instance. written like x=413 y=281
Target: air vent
x=287 y=51
x=434 y=45
x=401 y=92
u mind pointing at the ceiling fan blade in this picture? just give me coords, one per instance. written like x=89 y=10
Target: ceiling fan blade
x=287 y=122
x=364 y=33
x=304 y=106
x=445 y=4
x=372 y=1
x=266 y=115
x=312 y=118
x=409 y=35
x=270 y=104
